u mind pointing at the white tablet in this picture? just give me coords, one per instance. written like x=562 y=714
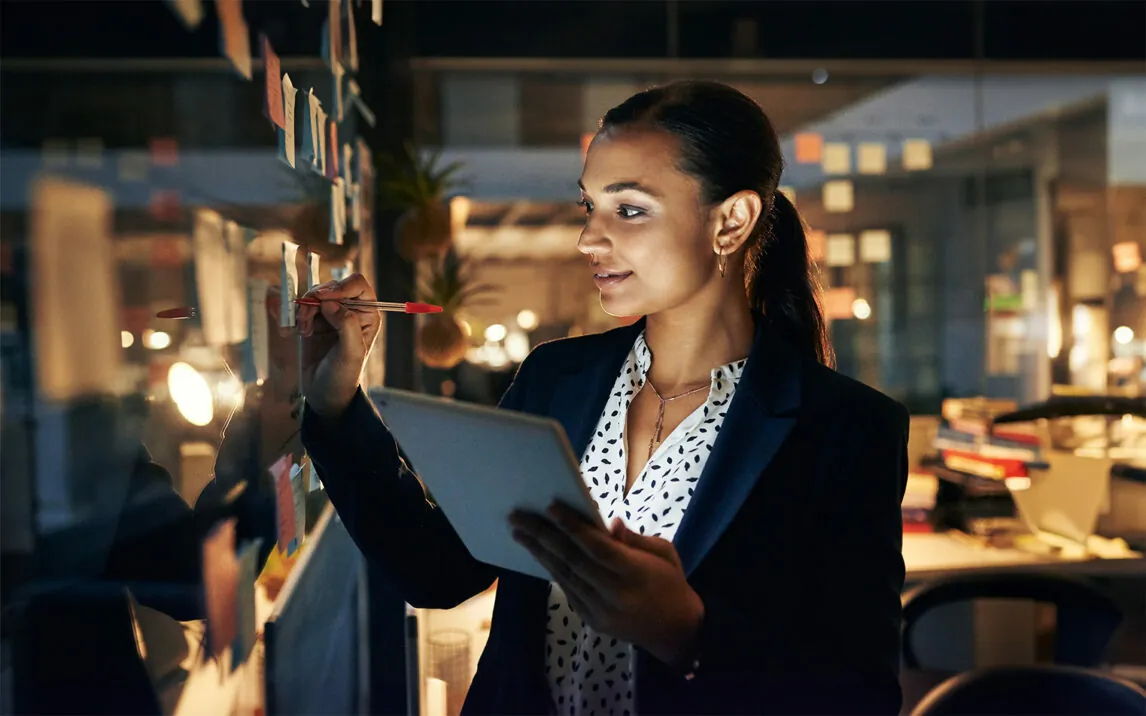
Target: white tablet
x=483 y=463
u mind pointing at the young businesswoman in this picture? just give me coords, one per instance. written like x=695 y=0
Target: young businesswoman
x=752 y=562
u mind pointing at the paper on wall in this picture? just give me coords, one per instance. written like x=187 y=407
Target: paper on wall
x=319 y=134
x=352 y=37
x=332 y=151
x=234 y=35
x=298 y=495
x=334 y=29
x=287 y=136
x=313 y=481
x=273 y=94
x=284 y=506
x=356 y=207
x=289 y=285
x=312 y=272
x=256 y=349
x=348 y=165
x=337 y=73
x=75 y=297
x=220 y=278
x=337 y=211
x=376 y=11
x=189 y=11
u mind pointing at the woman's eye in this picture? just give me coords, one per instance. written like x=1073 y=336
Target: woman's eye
x=588 y=207
x=629 y=212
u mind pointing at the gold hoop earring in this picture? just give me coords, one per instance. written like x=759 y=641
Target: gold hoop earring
x=722 y=263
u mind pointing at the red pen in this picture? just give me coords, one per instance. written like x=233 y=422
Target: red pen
x=390 y=306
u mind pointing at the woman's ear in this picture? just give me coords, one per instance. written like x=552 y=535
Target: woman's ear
x=736 y=219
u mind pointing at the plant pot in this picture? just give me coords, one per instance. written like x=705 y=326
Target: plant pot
x=424 y=231
x=441 y=343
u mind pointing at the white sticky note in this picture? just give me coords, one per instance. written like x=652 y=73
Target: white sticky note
x=317 y=131
x=337 y=72
x=337 y=211
x=320 y=130
x=875 y=246
x=376 y=12
x=289 y=92
x=841 y=250
x=189 y=11
x=313 y=481
x=836 y=158
x=916 y=154
x=347 y=164
x=312 y=272
x=236 y=283
x=839 y=196
x=215 y=277
x=289 y=285
x=356 y=207
x=256 y=349
x=872 y=158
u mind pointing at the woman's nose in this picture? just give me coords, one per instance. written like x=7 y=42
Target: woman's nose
x=592 y=239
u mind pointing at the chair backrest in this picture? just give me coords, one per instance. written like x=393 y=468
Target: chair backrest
x=1086 y=617
x=1042 y=690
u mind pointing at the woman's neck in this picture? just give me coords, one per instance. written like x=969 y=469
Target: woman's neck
x=687 y=344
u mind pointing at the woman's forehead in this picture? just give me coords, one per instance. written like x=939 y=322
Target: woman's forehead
x=645 y=160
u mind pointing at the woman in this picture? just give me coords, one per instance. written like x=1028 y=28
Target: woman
x=752 y=560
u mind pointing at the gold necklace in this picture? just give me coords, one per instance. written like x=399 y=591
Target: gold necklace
x=656 y=439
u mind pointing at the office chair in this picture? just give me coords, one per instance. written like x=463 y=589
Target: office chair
x=1041 y=690
x=1086 y=617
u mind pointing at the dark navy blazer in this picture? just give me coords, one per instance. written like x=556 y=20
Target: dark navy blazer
x=792 y=539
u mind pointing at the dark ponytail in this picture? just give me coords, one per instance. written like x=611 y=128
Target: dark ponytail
x=781 y=282
x=728 y=144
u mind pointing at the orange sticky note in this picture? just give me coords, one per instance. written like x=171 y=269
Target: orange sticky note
x=809 y=148
x=273 y=100
x=332 y=154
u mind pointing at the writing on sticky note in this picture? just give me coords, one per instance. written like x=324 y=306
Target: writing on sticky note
x=289 y=284
x=220 y=586
x=273 y=99
x=284 y=506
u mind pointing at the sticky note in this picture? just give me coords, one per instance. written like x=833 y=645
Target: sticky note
x=871 y=158
x=312 y=272
x=351 y=37
x=347 y=165
x=337 y=72
x=809 y=147
x=841 y=250
x=220 y=278
x=234 y=35
x=286 y=138
x=298 y=495
x=273 y=97
x=313 y=481
x=916 y=154
x=356 y=207
x=284 y=505
x=256 y=359
x=332 y=152
x=334 y=32
x=838 y=196
x=337 y=211
x=189 y=11
x=875 y=246
x=289 y=285
x=220 y=586
x=320 y=129
x=376 y=11
x=836 y=158
x=245 y=625
x=307 y=145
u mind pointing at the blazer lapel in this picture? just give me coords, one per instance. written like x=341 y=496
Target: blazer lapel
x=757 y=423
x=580 y=395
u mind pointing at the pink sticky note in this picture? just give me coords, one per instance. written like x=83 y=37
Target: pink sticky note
x=284 y=503
x=274 y=93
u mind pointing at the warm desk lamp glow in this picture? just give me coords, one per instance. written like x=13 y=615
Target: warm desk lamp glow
x=191 y=394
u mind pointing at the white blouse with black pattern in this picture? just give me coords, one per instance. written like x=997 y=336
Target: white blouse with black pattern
x=591 y=674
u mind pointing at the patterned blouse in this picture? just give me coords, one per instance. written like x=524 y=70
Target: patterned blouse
x=591 y=674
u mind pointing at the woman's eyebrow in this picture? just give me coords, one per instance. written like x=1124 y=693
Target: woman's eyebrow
x=625 y=186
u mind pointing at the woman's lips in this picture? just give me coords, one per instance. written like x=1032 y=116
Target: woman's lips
x=610 y=278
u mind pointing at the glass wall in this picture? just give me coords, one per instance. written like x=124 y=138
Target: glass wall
x=976 y=234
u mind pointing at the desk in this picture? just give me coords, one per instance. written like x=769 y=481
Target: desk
x=927 y=556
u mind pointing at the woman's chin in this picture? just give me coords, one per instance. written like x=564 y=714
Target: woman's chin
x=619 y=308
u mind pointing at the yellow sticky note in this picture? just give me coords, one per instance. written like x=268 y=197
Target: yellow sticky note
x=839 y=196
x=872 y=158
x=875 y=246
x=916 y=154
x=836 y=158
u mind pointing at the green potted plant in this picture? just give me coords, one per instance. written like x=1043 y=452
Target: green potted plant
x=442 y=341
x=417 y=185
